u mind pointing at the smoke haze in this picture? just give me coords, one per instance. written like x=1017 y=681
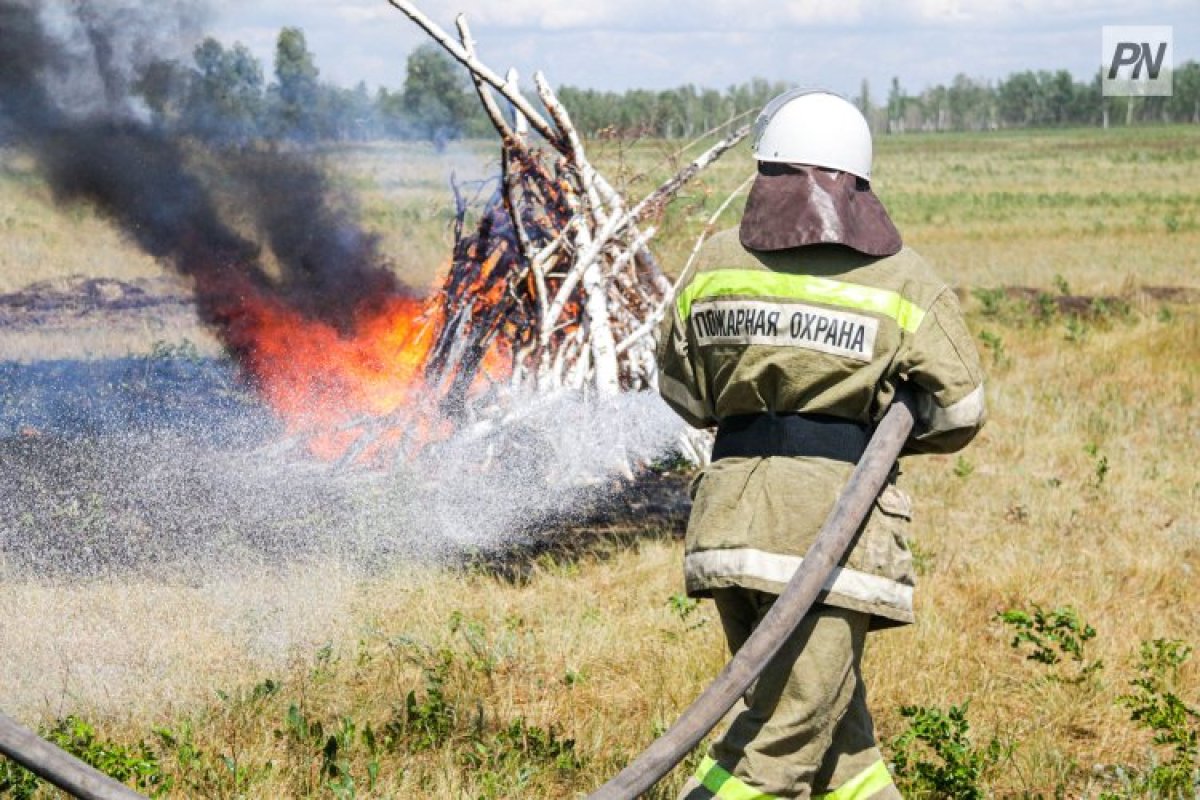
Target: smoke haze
x=66 y=71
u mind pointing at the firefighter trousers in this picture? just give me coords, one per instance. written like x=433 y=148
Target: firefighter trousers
x=803 y=729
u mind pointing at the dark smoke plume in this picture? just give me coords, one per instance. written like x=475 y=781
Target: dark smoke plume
x=66 y=67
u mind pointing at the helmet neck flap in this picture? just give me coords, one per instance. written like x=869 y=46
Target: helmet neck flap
x=797 y=205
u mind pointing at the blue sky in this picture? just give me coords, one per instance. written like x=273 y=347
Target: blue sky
x=656 y=44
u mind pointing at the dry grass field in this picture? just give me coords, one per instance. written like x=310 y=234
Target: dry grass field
x=1082 y=493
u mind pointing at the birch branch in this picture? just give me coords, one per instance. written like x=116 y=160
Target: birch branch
x=547 y=252
x=611 y=196
x=519 y=122
x=509 y=137
x=716 y=128
x=586 y=255
x=600 y=335
x=485 y=94
x=653 y=202
x=657 y=314
x=538 y=265
x=587 y=173
x=536 y=120
x=627 y=255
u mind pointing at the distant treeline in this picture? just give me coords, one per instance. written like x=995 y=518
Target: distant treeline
x=1028 y=99
x=224 y=94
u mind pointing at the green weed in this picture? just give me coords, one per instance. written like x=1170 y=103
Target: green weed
x=685 y=609
x=511 y=757
x=482 y=656
x=137 y=765
x=192 y=767
x=963 y=468
x=1045 y=308
x=995 y=346
x=923 y=558
x=1174 y=724
x=426 y=721
x=1105 y=308
x=322 y=754
x=16 y=781
x=1100 y=466
x=993 y=301
x=1076 y=329
x=1049 y=636
x=936 y=759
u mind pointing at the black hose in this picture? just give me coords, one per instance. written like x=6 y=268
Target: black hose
x=781 y=620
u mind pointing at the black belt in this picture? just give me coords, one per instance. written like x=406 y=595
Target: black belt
x=812 y=435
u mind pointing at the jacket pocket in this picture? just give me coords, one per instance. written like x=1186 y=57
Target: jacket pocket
x=720 y=508
x=883 y=547
x=723 y=483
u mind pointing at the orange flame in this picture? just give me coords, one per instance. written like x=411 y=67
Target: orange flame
x=331 y=386
x=361 y=390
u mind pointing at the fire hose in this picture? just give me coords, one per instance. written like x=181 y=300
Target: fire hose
x=793 y=604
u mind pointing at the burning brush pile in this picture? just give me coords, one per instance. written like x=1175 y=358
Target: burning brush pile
x=551 y=290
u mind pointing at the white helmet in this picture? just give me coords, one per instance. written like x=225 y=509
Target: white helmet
x=812 y=126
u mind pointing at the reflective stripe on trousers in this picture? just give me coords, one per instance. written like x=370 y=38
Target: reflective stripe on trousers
x=725 y=786
x=864 y=785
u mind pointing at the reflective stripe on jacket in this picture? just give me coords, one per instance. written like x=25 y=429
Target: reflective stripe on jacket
x=821 y=330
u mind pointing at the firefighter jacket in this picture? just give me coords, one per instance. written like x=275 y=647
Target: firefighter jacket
x=813 y=330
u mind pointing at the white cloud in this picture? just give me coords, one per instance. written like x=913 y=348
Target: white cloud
x=655 y=43
x=820 y=12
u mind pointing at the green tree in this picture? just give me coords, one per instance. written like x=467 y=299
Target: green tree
x=225 y=98
x=297 y=92
x=1060 y=98
x=968 y=103
x=346 y=114
x=362 y=119
x=437 y=98
x=713 y=109
x=672 y=106
x=863 y=101
x=1184 y=104
x=935 y=105
x=1016 y=97
x=389 y=108
x=897 y=104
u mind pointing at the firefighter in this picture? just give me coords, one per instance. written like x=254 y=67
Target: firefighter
x=792 y=335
